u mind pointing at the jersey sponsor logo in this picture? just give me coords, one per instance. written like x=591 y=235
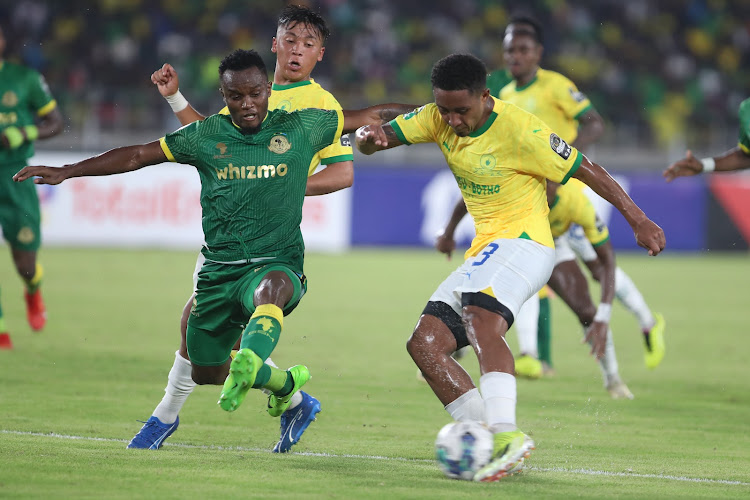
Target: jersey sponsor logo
x=577 y=95
x=222 y=151
x=559 y=146
x=279 y=144
x=472 y=187
x=230 y=172
x=412 y=114
x=8 y=118
x=10 y=99
x=345 y=141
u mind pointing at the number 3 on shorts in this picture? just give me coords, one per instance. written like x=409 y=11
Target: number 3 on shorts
x=489 y=250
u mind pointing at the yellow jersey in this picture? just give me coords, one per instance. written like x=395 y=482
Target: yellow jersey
x=308 y=94
x=553 y=98
x=572 y=206
x=501 y=168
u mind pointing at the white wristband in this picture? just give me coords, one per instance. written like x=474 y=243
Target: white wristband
x=177 y=101
x=709 y=165
x=603 y=313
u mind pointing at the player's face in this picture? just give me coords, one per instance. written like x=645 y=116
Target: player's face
x=246 y=95
x=522 y=54
x=463 y=110
x=298 y=49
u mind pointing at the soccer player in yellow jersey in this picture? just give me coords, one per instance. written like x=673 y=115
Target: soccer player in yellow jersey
x=500 y=157
x=299 y=46
x=558 y=102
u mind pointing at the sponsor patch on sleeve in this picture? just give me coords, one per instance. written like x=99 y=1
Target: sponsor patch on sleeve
x=345 y=142
x=559 y=146
x=577 y=95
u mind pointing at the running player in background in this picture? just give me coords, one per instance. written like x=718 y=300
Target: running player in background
x=558 y=102
x=501 y=157
x=253 y=272
x=737 y=158
x=27 y=112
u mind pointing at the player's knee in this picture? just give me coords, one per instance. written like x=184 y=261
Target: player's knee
x=208 y=375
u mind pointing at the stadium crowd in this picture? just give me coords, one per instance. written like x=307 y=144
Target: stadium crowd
x=659 y=72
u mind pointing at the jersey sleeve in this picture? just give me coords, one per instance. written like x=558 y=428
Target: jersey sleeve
x=40 y=97
x=340 y=150
x=180 y=145
x=325 y=126
x=418 y=126
x=744 y=115
x=572 y=101
x=544 y=153
x=594 y=228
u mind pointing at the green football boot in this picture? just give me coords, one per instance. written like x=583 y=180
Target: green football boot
x=654 y=344
x=279 y=404
x=242 y=373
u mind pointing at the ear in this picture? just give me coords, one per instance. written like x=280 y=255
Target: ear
x=273 y=45
x=221 y=91
x=320 y=54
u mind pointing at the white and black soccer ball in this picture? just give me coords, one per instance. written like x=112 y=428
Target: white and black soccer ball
x=462 y=448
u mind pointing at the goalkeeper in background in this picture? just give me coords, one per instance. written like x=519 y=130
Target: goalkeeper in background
x=27 y=112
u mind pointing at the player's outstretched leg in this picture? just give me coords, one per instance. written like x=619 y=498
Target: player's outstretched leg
x=242 y=372
x=294 y=422
x=511 y=448
x=279 y=401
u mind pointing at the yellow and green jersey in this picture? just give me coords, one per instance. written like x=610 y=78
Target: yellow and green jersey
x=501 y=168
x=253 y=185
x=497 y=80
x=572 y=206
x=24 y=95
x=308 y=94
x=744 y=141
x=553 y=98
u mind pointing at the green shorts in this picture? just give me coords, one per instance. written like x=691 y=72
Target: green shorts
x=218 y=315
x=19 y=210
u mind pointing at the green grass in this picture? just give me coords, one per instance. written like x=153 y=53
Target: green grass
x=103 y=359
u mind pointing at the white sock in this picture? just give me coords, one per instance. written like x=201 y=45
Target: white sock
x=627 y=293
x=296 y=398
x=499 y=394
x=179 y=386
x=527 y=324
x=468 y=406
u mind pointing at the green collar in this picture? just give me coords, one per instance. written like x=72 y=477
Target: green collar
x=524 y=87
x=487 y=124
x=554 y=202
x=277 y=86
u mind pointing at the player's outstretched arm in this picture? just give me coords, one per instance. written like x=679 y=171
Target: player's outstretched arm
x=115 y=161
x=647 y=233
x=446 y=241
x=372 y=138
x=374 y=115
x=734 y=159
x=335 y=177
x=168 y=83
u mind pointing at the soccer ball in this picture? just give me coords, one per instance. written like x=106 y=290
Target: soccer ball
x=462 y=448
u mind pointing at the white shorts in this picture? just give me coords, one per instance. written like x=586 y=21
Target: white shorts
x=198 y=265
x=514 y=269
x=580 y=244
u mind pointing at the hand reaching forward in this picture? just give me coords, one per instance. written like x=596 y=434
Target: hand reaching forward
x=690 y=165
x=44 y=175
x=596 y=336
x=650 y=236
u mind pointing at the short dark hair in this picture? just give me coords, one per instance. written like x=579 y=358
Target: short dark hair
x=532 y=28
x=459 y=72
x=297 y=14
x=242 y=59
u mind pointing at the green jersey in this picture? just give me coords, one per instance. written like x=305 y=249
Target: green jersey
x=253 y=185
x=24 y=95
x=744 y=113
x=497 y=80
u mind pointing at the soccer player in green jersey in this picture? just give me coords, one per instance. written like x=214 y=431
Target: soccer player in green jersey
x=500 y=157
x=27 y=112
x=253 y=166
x=737 y=158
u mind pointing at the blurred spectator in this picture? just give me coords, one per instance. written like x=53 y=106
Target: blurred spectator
x=659 y=72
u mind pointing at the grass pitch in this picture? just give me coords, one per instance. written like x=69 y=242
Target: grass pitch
x=70 y=396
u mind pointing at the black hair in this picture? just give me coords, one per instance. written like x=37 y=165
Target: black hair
x=531 y=28
x=459 y=72
x=297 y=14
x=242 y=59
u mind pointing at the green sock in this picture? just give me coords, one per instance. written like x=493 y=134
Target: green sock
x=263 y=330
x=544 y=337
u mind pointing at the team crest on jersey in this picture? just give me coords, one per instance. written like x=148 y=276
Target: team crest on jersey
x=486 y=164
x=279 y=144
x=559 y=146
x=222 y=151
x=577 y=96
x=10 y=99
x=284 y=105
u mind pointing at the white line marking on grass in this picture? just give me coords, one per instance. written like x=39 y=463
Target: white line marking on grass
x=583 y=472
